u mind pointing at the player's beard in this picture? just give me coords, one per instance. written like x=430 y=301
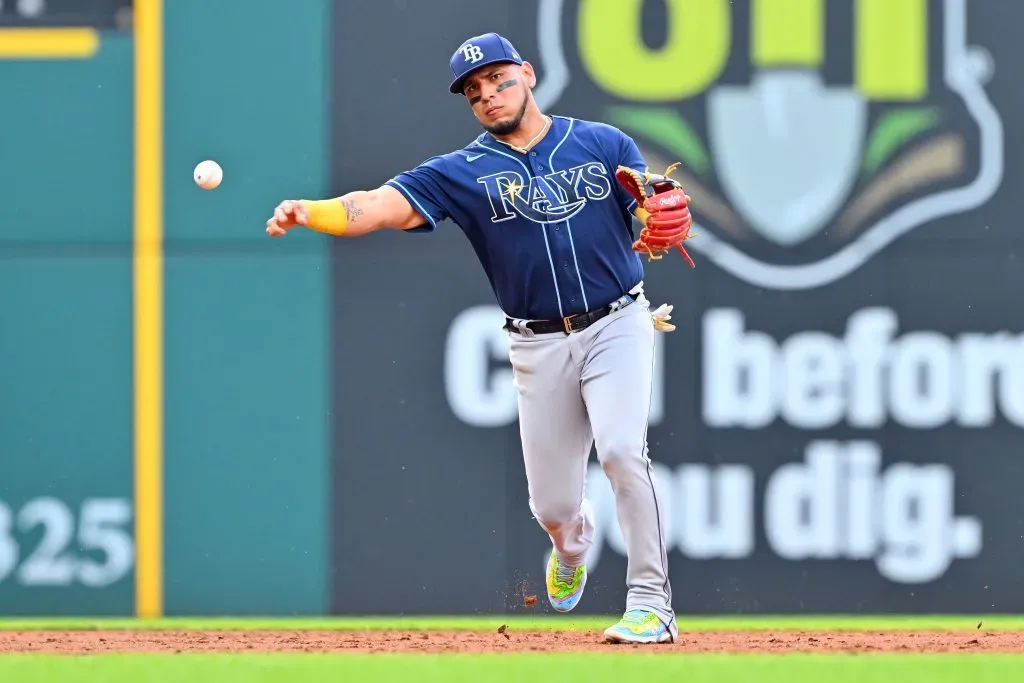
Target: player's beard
x=510 y=126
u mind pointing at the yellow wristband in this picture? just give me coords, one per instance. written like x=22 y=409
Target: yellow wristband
x=326 y=215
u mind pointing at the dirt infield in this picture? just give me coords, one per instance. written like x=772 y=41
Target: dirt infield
x=500 y=640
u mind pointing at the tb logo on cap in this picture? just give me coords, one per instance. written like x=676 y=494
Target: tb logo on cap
x=472 y=53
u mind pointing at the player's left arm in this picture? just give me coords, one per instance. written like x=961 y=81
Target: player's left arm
x=658 y=202
x=628 y=155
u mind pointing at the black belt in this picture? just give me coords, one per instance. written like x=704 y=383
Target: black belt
x=568 y=324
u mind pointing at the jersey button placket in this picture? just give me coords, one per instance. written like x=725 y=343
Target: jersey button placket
x=569 y=276
x=537 y=169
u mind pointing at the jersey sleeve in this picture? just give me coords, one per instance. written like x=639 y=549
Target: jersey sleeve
x=630 y=157
x=424 y=188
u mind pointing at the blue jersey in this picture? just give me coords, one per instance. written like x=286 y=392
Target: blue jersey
x=552 y=228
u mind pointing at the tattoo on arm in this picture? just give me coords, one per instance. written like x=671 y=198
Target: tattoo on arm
x=352 y=210
x=507 y=84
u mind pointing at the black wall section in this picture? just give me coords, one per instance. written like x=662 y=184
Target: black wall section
x=851 y=446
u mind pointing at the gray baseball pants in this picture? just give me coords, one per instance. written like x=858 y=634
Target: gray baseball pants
x=593 y=388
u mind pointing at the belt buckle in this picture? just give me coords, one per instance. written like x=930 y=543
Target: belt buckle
x=567 y=322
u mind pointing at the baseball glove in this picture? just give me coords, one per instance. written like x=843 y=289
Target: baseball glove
x=666 y=211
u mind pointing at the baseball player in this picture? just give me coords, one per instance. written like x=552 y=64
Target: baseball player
x=547 y=203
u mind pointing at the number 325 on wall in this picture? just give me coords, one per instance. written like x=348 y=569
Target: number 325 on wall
x=95 y=551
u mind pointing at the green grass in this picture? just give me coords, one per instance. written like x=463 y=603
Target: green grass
x=540 y=622
x=591 y=668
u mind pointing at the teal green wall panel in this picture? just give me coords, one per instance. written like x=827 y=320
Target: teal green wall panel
x=247 y=468
x=66 y=140
x=65 y=436
x=66 y=529
x=247 y=483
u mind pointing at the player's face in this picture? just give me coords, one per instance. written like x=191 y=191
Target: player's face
x=498 y=97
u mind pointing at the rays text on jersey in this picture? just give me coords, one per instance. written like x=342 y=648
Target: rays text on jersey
x=550 y=198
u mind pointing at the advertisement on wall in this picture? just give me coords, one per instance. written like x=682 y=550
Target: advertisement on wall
x=837 y=419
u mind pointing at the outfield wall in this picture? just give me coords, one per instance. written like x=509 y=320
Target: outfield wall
x=245 y=322
x=835 y=423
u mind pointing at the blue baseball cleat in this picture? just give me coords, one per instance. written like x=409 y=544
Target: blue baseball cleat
x=638 y=626
x=565 y=584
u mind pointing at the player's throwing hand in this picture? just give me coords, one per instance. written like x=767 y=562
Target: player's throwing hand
x=287 y=215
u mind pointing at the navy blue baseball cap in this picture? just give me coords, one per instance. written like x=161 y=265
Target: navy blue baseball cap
x=478 y=51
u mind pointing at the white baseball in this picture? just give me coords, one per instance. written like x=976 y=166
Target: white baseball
x=208 y=174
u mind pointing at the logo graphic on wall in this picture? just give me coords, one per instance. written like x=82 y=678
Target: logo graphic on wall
x=808 y=145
